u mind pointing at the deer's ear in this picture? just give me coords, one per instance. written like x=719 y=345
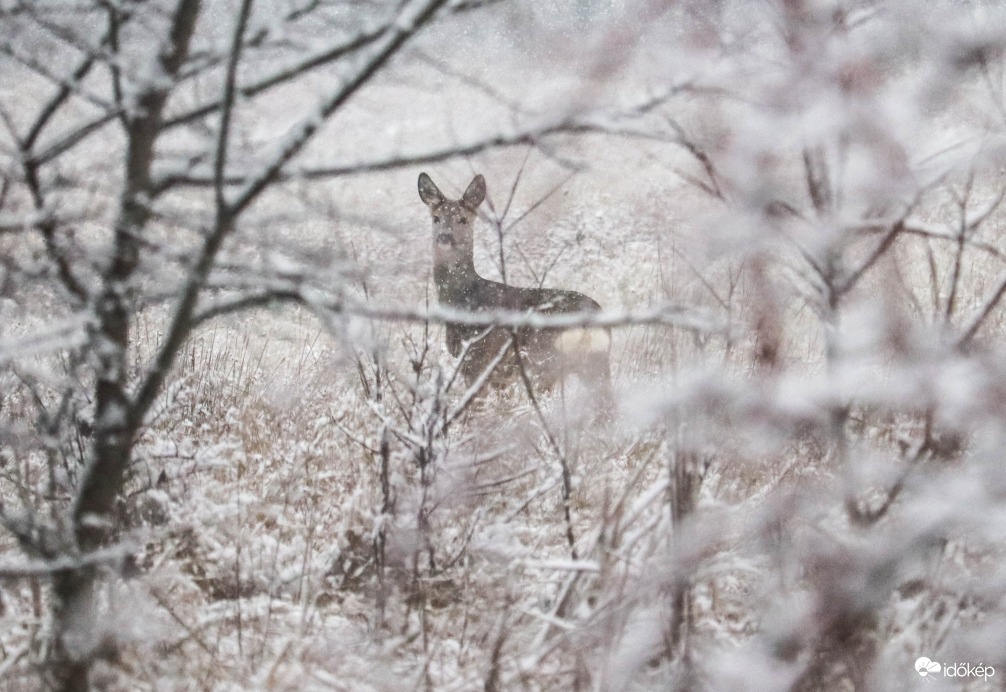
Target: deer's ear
x=428 y=192
x=475 y=193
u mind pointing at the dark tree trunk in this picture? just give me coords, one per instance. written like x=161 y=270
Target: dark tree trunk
x=76 y=643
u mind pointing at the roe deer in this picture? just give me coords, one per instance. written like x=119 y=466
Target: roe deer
x=549 y=353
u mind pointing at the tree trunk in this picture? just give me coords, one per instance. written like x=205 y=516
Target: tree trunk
x=77 y=641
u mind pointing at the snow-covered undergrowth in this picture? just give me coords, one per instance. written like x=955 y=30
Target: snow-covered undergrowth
x=298 y=525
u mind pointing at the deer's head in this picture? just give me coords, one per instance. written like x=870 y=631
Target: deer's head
x=452 y=221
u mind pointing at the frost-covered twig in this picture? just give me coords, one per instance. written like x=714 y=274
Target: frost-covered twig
x=473 y=390
x=669 y=315
x=66 y=334
x=114 y=555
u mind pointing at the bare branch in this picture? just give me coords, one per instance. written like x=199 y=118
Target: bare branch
x=978 y=320
x=72 y=84
x=528 y=136
x=282 y=76
x=413 y=16
x=882 y=247
x=220 y=161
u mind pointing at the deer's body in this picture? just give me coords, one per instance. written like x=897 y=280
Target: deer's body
x=550 y=354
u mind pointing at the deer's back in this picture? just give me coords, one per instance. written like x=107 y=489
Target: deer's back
x=539 y=345
x=483 y=295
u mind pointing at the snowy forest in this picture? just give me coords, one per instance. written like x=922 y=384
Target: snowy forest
x=244 y=444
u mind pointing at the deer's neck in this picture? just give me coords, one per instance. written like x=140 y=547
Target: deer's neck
x=455 y=282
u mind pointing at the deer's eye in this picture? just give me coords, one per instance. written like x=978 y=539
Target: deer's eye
x=463 y=220
x=436 y=219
